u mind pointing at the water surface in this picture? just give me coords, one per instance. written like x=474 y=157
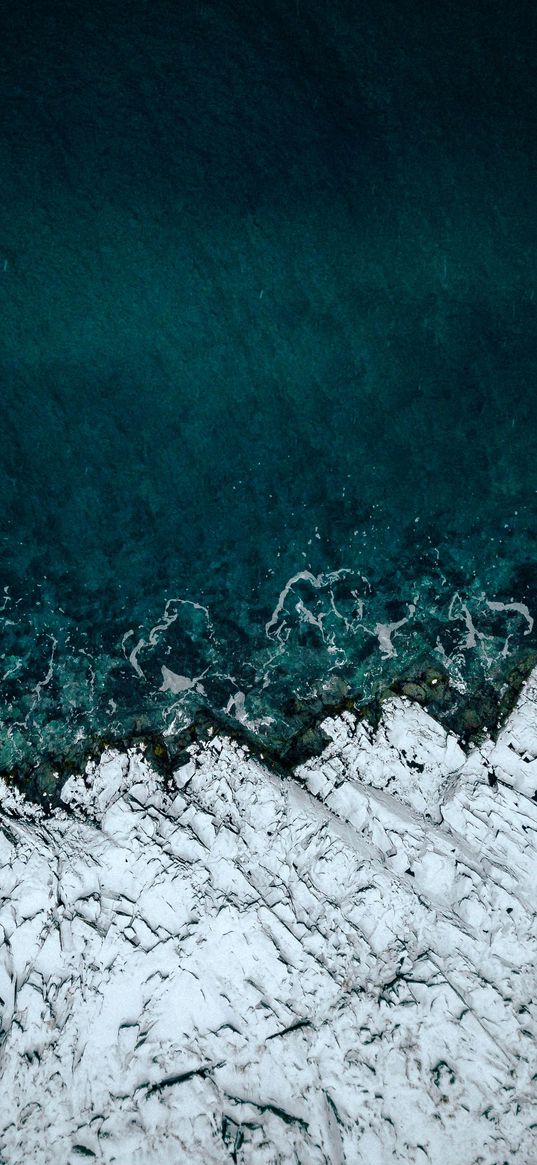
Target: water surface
x=267 y=357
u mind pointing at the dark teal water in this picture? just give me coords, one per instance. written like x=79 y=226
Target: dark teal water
x=267 y=284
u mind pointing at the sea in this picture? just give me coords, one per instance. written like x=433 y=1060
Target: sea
x=268 y=357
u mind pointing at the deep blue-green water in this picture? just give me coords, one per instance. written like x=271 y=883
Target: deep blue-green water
x=267 y=356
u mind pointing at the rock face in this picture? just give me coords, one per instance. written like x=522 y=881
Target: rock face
x=333 y=968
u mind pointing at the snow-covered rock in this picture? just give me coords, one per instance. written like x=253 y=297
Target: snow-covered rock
x=334 y=967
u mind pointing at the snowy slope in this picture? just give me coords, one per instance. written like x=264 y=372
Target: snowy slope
x=334 y=968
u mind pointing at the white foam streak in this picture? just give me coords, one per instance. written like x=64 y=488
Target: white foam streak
x=384 y=632
x=518 y=608
x=50 y=672
x=165 y=621
x=172 y=682
x=318 y=581
x=472 y=634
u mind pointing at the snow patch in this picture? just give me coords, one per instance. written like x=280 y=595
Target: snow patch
x=332 y=967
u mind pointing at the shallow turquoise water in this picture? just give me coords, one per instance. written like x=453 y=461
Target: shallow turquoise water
x=268 y=313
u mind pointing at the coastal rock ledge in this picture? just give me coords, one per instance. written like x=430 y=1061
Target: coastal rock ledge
x=333 y=967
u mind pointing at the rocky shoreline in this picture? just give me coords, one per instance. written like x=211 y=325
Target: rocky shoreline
x=232 y=962
x=472 y=716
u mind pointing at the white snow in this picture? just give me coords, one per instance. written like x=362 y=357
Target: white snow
x=334 y=967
